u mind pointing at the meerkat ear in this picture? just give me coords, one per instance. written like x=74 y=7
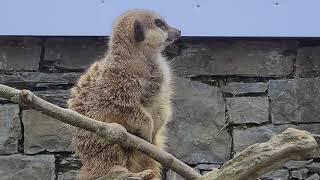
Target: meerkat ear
x=138 y=31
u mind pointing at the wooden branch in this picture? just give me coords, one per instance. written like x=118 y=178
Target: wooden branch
x=112 y=132
x=258 y=159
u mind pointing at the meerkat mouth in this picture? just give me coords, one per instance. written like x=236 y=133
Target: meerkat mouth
x=173 y=34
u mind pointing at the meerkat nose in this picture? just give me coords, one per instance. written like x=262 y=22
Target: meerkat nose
x=174 y=34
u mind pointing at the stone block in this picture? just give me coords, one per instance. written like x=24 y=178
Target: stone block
x=308 y=62
x=241 y=58
x=43 y=133
x=19 y=53
x=299 y=174
x=207 y=167
x=37 y=80
x=10 y=129
x=57 y=97
x=295 y=101
x=314 y=177
x=67 y=163
x=296 y=164
x=281 y=174
x=72 y=53
x=195 y=134
x=69 y=175
x=314 y=167
x=243 y=110
x=22 y=167
x=235 y=88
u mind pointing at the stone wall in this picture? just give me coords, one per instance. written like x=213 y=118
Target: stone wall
x=231 y=93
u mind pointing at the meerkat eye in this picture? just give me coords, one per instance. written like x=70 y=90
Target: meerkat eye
x=159 y=23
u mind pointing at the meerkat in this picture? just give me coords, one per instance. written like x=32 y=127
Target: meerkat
x=132 y=86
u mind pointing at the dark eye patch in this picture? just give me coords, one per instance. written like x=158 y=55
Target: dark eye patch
x=159 y=23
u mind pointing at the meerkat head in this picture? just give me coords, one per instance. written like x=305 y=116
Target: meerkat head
x=144 y=30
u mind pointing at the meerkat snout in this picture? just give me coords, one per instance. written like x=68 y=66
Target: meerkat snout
x=172 y=33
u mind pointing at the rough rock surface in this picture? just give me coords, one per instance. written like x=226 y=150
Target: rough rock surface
x=22 y=167
x=236 y=88
x=299 y=174
x=38 y=80
x=69 y=175
x=72 y=54
x=19 y=54
x=195 y=133
x=246 y=58
x=296 y=164
x=43 y=133
x=57 y=97
x=10 y=129
x=314 y=167
x=314 y=177
x=308 y=61
x=281 y=174
x=243 y=110
x=295 y=101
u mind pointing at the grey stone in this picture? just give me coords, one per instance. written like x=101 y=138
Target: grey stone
x=295 y=101
x=300 y=174
x=296 y=164
x=73 y=53
x=314 y=177
x=196 y=133
x=207 y=167
x=4 y=100
x=37 y=80
x=248 y=110
x=69 y=162
x=10 y=129
x=21 y=167
x=20 y=53
x=244 y=88
x=43 y=133
x=314 y=167
x=171 y=51
x=204 y=172
x=244 y=137
x=308 y=62
x=171 y=175
x=280 y=174
x=243 y=58
x=69 y=175
x=57 y=97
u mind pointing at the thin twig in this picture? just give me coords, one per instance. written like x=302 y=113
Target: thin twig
x=112 y=132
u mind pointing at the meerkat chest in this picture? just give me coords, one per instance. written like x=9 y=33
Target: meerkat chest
x=157 y=81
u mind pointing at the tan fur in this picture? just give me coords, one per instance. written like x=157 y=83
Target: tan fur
x=131 y=86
